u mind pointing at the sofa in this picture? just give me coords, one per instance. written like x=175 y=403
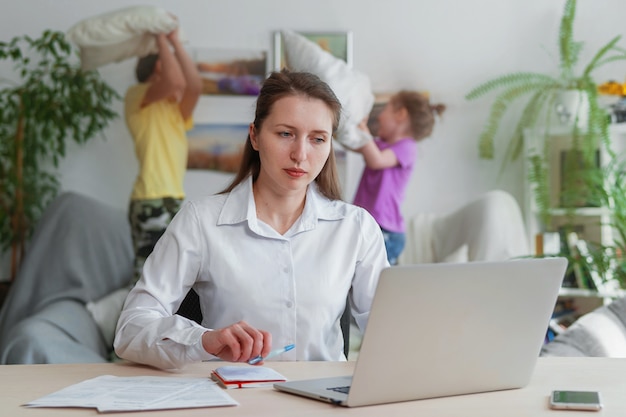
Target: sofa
x=65 y=301
x=487 y=228
x=62 y=306
x=599 y=333
x=80 y=253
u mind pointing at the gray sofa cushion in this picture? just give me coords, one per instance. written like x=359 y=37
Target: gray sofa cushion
x=63 y=332
x=600 y=333
x=81 y=251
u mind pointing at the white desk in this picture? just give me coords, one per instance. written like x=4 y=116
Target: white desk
x=23 y=383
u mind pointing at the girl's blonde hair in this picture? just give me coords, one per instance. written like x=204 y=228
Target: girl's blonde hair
x=421 y=112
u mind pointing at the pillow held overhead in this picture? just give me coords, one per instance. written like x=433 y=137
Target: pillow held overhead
x=352 y=87
x=120 y=34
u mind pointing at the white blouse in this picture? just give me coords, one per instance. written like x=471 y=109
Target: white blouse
x=292 y=285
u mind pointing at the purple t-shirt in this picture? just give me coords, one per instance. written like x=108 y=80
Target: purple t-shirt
x=381 y=191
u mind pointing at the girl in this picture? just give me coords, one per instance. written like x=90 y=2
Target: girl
x=406 y=119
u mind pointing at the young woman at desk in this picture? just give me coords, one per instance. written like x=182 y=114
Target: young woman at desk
x=272 y=258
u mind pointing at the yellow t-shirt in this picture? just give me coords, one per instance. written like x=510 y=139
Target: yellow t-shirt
x=159 y=133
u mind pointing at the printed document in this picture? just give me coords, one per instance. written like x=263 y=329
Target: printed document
x=109 y=393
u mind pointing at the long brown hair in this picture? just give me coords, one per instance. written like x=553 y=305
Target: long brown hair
x=421 y=112
x=279 y=85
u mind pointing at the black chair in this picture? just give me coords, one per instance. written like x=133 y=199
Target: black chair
x=345 y=328
x=190 y=308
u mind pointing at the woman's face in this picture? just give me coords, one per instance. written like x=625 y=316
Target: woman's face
x=294 y=143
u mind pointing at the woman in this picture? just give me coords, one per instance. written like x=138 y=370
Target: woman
x=272 y=258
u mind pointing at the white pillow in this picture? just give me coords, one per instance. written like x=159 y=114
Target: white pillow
x=106 y=312
x=351 y=87
x=121 y=34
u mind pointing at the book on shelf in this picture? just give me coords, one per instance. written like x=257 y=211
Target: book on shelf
x=547 y=243
x=596 y=279
x=245 y=376
x=579 y=273
x=617 y=111
x=569 y=280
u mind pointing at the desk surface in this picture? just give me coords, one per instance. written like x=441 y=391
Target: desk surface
x=20 y=384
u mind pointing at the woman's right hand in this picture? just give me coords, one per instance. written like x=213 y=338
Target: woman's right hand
x=238 y=342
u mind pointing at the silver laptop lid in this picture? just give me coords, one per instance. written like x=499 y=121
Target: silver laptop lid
x=447 y=329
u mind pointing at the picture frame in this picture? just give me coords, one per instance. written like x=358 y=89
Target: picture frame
x=231 y=72
x=571 y=159
x=562 y=160
x=216 y=146
x=338 y=43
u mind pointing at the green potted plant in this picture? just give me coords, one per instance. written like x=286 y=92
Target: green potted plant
x=543 y=90
x=587 y=127
x=609 y=259
x=51 y=102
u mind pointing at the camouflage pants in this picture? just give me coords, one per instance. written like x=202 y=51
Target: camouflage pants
x=148 y=220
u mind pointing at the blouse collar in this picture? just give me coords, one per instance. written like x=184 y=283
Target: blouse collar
x=239 y=207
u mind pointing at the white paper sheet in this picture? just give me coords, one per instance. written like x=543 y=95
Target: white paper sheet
x=109 y=393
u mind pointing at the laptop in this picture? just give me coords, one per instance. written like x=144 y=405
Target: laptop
x=439 y=330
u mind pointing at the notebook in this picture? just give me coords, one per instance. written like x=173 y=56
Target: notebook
x=438 y=330
x=243 y=376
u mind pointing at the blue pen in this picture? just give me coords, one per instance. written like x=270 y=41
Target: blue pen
x=273 y=353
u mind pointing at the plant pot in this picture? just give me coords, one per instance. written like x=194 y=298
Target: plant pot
x=570 y=104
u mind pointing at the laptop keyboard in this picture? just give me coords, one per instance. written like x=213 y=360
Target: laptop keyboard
x=343 y=390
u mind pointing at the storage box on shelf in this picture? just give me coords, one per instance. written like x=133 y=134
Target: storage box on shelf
x=589 y=224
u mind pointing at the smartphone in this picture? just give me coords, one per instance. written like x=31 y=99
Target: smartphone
x=575 y=400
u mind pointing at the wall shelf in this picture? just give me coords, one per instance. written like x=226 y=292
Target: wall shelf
x=591 y=224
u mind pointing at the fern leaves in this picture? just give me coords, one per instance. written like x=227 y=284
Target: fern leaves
x=543 y=88
x=515 y=86
x=596 y=61
x=509 y=81
x=569 y=50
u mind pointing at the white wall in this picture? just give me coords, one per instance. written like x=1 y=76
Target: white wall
x=444 y=46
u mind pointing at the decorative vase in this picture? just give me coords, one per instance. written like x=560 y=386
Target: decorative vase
x=570 y=104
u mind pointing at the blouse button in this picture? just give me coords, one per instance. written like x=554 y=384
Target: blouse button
x=289 y=304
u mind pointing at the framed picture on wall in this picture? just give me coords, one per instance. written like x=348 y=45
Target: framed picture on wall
x=216 y=146
x=339 y=44
x=566 y=166
x=231 y=71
